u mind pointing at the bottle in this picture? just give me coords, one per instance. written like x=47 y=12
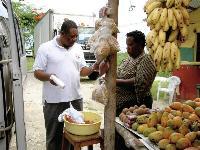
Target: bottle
x=57 y=81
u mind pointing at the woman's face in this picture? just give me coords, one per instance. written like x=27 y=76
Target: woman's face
x=68 y=39
x=133 y=48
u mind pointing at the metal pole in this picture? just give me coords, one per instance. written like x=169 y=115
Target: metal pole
x=110 y=108
x=17 y=85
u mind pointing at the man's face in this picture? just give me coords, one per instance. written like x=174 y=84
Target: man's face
x=68 y=39
x=133 y=48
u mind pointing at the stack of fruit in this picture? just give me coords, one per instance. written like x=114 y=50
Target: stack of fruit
x=175 y=127
x=129 y=115
x=168 y=21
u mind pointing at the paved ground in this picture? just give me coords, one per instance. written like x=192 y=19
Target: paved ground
x=34 y=121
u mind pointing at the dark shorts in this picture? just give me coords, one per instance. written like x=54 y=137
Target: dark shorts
x=54 y=129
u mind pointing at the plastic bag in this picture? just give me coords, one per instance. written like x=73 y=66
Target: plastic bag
x=102 y=51
x=100 y=93
x=72 y=115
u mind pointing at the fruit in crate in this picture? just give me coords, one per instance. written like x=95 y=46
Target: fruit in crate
x=156 y=136
x=163 y=143
x=183 y=143
x=183 y=129
x=170 y=147
x=191 y=136
x=191 y=103
x=174 y=137
x=167 y=132
x=197 y=111
x=148 y=130
x=141 y=128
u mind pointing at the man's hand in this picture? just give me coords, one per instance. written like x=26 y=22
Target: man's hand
x=43 y=76
x=103 y=67
x=52 y=82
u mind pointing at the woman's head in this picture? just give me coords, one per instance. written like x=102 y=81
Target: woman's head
x=68 y=33
x=135 y=42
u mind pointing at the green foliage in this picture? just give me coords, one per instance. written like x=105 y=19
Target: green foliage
x=25 y=16
x=30 y=61
x=164 y=74
x=120 y=57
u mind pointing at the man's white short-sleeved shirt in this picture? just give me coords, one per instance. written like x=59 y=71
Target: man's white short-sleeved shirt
x=66 y=65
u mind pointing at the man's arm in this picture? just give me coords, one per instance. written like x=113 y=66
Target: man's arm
x=41 y=75
x=85 y=71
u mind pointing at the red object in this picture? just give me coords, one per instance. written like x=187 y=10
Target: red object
x=190 y=76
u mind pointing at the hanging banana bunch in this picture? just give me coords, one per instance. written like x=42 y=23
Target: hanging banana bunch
x=168 y=21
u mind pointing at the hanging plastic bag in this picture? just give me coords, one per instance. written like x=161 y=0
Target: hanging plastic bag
x=100 y=93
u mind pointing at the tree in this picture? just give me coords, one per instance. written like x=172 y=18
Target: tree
x=26 y=16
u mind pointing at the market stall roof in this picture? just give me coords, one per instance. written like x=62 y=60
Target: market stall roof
x=194 y=4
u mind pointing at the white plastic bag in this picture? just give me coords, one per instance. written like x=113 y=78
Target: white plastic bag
x=100 y=93
x=75 y=115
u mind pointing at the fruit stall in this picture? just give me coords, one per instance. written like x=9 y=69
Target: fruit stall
x=177 y=126
x=173 y=43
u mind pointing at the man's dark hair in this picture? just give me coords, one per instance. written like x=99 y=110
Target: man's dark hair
x=67 y=25
x=138 y=36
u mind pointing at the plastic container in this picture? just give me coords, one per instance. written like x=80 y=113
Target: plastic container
x=84 y=129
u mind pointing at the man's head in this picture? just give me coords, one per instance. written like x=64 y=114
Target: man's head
x=68 y=33
x=135 y=42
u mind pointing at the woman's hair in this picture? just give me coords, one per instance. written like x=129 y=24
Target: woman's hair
x=67 y=25
x=138 y=37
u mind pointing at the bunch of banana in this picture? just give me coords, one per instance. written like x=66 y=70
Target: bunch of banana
x=168 y=21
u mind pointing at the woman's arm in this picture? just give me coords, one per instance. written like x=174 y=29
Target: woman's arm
x=125 y=82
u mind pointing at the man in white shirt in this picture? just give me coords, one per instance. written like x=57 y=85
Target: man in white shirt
x=63 y=58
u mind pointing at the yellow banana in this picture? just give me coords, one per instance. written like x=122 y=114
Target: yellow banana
x=166 y=53
x=166 y=26
x=185 y=13
x=169 y=65
x=148 y=3
x=187 y=22
x=186 y=2
x=179 y=17
x=163 y=17
x=158 y=57
x=149 y=18
x=173 y=35
x=157 y=26
x=177 y=3
x=148 y=40
x=162 y=37
x=169 y=3
x=153 y=35
x=178 y=60
x=151 y=52
x=174 y=25
x=152 y=6
x=156 y=15
x=155 y=43
x=184 y=31
x=174 y=54
x=170 y=16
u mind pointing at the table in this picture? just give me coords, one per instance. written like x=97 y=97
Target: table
x=80 y=141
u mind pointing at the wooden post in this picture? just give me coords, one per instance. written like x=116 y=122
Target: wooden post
x=110 y=108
